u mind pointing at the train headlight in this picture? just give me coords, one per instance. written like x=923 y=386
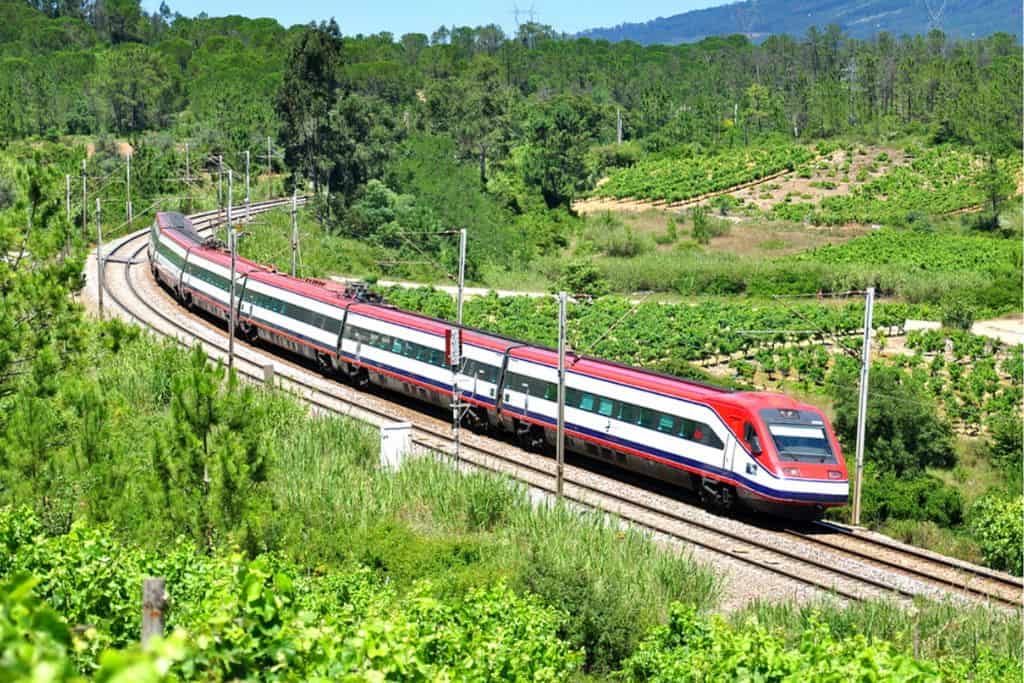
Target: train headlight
x=791 y=471
x=835 y=474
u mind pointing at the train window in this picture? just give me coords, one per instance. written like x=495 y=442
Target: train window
x=605 y=406
x=550 y=391
x=572 y=397
x=587 y=402
x=629 y=413
x=666 y=423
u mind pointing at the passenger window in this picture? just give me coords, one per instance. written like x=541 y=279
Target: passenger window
x=666 y=423
x=587 y=402
x=648 y=418
x=629 y=413
x=396 y=346
x=572 y=397
x=550 y=392
x=605 y=407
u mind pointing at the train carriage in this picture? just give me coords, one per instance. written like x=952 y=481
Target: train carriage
x=762 y=449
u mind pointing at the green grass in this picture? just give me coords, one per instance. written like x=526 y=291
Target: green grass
x=931 y=630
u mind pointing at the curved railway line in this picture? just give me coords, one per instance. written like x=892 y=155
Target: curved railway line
x=823 y=557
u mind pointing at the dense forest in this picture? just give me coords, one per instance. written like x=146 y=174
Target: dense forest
x=91 y=67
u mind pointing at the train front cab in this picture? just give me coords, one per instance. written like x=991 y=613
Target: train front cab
x=796 y=451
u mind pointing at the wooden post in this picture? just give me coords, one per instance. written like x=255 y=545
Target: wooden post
x=154 y=602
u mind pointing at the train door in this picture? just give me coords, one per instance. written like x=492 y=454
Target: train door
x=184 y=279
x=244 y=302
x=729 y=453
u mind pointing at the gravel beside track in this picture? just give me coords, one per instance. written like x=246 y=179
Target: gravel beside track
x=756 y=562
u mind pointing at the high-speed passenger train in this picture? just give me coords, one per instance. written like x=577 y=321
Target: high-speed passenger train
x=764 y=450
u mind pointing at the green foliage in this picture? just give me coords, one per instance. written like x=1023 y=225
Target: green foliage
x=210 y=445
x=941 y=180
x=1006 y=447
x=905 y=432
x=701 y=231
x=999 y=526
x=558 y=133
x=957 y=314
x=582 y=277
x=690 y=648
x=675 y=179
x=612 y=237
x=918 y=497
x=261 y=619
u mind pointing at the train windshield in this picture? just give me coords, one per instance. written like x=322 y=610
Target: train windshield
x=801 y=443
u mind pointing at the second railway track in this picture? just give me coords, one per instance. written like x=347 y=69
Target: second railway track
x=826 y=558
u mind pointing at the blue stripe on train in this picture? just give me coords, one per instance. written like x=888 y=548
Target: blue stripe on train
x=665 y=455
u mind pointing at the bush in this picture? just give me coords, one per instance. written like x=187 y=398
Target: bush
x=582 y=277
x=998 y=525
x=612 y=237
x=957 y=314
x=905 y=433
x=923 y=498
x=696 y=648
x=1006 y=445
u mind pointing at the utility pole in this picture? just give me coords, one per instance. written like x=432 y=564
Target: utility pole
x=85 y=204
x=270 y=157
x=462 y=274
x=862 y=407
x=246 y=186
x=456 y=351
x=188 y=172
x=560 y=434
x=128 y=187
x=67 y=195
x=99 y=257
x=220 y=184
x=233 y=245
x=618 y=125
x=295 y=233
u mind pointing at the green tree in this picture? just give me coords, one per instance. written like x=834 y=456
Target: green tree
x=558 y=134
x=905 y=432
x=307 y=95
x=209 y=462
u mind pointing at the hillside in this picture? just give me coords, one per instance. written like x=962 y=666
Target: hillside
x=856 y=18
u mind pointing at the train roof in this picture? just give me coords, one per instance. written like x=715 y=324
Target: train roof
x=597 y=367
x=332 y=294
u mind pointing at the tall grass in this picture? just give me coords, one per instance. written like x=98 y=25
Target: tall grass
x=461 y=529
x=930 y=630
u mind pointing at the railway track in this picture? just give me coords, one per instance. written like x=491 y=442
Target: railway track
x=829 y=561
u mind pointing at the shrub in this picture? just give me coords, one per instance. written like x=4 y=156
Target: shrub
x=612 y=237
x=699 y=215
x=957 y=314
x=905 y=432
x=921 y=498
x=695 y=648
x=998 y=525
x=1006 y=446
x=582 y=277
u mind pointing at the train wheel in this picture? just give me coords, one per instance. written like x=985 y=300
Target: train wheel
x=359 y=377
x=716 y=496
x=529 y=437
x=248 y=331
x=323 y=362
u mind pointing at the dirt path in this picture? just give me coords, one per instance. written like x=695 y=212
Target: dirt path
x=1008 y=329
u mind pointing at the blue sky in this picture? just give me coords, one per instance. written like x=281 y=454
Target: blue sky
x=412 y=16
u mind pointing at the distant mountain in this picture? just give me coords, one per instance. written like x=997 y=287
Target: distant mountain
x=759 y=19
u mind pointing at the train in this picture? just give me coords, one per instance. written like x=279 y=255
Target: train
x=762 y=451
